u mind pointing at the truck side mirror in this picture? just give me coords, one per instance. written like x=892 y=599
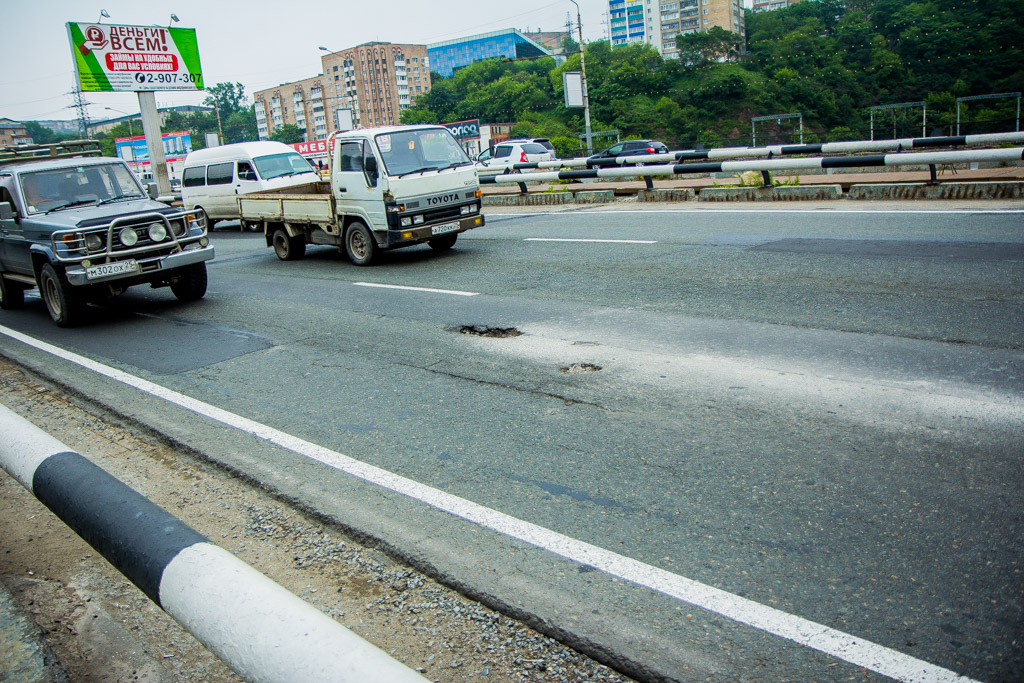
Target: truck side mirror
x=6 y=211
x=152 y=190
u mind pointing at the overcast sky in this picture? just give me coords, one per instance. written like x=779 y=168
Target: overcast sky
x=258 y=43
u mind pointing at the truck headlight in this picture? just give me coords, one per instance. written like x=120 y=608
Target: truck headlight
x=406 y=222
x=129 y=237
x=417 y=219
x=466 y=210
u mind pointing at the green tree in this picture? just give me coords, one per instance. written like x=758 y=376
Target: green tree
x=288 y=133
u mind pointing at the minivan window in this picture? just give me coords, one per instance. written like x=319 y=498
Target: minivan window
x=280 y=165
x=194 y=177
x=220 y=174
x=245 y=171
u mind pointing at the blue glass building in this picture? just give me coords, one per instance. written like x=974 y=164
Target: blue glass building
x=450 y=55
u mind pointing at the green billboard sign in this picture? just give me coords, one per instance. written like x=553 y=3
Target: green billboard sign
x=113 y=58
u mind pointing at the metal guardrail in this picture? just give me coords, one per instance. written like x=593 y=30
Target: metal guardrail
x=650 y=165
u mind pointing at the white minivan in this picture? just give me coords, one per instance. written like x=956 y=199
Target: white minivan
x=212 y=178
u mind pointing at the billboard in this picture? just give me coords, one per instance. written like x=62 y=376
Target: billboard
x=115 y=58
x=315 y=148
x=572 y=83
x=465 y=130
x=134 y=151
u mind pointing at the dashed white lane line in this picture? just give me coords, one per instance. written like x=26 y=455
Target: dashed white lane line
x=843 y=646
x=454 y=292
x=568 y=239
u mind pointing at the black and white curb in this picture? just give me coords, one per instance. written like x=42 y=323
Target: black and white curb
x=259 y=629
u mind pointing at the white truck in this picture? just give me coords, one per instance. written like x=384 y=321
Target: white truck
x=388 y=188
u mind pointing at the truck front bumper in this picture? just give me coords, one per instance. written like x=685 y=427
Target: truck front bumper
x=419 y=234
x=77 y=275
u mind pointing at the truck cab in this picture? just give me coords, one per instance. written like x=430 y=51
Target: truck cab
x=387 y=188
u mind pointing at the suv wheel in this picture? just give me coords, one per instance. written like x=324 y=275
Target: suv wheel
x=191 y=283
x=65 y=305
x=12 y=294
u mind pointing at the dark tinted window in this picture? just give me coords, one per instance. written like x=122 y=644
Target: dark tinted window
x=546 y=144
x=351 y=157
x=534 y=148
x=220 y=174
x=194 y=177
x=502 y=151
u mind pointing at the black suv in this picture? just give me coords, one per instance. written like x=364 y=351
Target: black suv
x=627 y=148
x=83 y=229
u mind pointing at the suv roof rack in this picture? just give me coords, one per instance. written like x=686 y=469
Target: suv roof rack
x=55 y=150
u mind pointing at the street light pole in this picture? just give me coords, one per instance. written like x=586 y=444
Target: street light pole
x=583 y=69
x=131 y=135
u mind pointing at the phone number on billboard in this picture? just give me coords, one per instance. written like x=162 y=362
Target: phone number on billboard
x=170 y=78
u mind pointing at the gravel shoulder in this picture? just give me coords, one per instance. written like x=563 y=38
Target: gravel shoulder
x=101 y=628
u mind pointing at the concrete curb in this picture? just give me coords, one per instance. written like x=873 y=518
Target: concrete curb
x=538 y=199
x=259 y=629
x=684 y=194
x=946 y=190
x=780 y=193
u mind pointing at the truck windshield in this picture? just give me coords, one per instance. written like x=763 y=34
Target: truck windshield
x=56 y=188
x=420 y=150
x=280 y=165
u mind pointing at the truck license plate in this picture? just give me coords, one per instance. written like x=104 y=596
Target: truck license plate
x=444 y=227
x=108 y=269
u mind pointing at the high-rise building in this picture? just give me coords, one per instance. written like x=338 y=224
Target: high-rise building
x=371 y=83
x=658 y=22
x=765 y=5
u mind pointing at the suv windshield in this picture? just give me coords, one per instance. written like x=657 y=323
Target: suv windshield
x=420 y=150
x=52 y=189
x=279 y=165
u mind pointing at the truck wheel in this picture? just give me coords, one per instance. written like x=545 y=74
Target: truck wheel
x=12 y=294
x=359 y=244
x=66 y=306
x=286 y=247
x=191 y=283
x=444 y=242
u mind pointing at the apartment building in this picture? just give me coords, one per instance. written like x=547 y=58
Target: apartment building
x=13 y=133
x=658 y=22
x=367 y=85
x=766 y=5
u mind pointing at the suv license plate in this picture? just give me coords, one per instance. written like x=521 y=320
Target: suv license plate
x=108 y=269
x=444 y=227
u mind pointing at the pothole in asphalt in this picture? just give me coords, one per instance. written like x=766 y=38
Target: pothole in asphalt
x=577 y=368
x=494 y=332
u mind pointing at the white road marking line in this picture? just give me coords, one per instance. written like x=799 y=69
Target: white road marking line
x=843 y=646
x=770 y=211
x=581 y=239
x=417 y=289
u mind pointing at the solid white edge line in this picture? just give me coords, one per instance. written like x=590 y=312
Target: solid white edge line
x=584 y=239
x=843 y=646
x=417 y=289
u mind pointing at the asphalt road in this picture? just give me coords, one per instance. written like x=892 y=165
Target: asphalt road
x=817 y=411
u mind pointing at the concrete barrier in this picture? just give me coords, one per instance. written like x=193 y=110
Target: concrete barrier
x=684 y=194
x=259 y=629
x=538 y=199
x=781 y=193
x=594 y=197
x=946 y=190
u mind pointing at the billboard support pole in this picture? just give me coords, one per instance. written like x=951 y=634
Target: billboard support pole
x=154 y=141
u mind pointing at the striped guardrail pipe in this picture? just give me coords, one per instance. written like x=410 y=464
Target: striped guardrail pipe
x=259 y=629
x=771 y=164
x=851 y=147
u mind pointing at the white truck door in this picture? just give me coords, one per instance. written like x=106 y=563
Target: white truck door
x=357 y=184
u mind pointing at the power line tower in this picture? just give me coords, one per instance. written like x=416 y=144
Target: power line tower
x=83 y=113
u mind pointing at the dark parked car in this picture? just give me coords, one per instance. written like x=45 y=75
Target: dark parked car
x=627 y=148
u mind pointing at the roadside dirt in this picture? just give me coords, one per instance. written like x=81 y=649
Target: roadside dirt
x=101 y=628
